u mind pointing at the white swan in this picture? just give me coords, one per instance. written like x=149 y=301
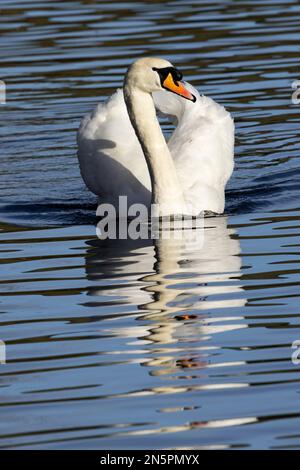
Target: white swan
x=122 y=150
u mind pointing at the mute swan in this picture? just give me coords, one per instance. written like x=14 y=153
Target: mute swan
x=122 y=150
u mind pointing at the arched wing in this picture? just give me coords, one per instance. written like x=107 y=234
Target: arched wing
x=111 y=160
x=201 y=146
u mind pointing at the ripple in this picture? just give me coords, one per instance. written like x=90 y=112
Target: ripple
x=127 y=344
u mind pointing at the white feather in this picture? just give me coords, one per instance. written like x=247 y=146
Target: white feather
x=112 y=162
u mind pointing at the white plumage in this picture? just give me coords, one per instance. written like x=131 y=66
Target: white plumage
x=113 y=163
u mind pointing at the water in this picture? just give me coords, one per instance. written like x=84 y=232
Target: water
x=135 y=344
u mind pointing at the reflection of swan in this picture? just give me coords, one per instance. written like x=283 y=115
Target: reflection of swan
x=193 y=276
x=188 y=273
x=186 y=176
x=171 y=308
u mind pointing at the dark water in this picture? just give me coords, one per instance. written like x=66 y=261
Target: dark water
x=138 y=344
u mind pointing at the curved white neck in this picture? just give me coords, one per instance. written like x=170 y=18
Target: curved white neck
x=166 y=190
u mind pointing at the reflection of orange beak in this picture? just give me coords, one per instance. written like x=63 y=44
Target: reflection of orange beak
x=177 y=88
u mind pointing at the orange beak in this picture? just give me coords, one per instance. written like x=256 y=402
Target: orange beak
x=177 y=88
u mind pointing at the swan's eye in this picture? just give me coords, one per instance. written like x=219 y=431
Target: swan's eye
x=165 y=71
x=177 y=75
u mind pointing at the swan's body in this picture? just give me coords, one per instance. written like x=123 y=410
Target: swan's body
x=122 y=150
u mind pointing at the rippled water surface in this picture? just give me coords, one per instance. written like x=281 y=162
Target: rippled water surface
x=134 y=344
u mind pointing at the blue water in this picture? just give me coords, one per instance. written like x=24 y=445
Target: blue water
x=140 y=344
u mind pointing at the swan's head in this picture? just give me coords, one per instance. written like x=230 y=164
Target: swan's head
x=153 y=74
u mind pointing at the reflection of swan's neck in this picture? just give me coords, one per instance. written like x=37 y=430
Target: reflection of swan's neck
x=168 y=254
x=166 y=190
